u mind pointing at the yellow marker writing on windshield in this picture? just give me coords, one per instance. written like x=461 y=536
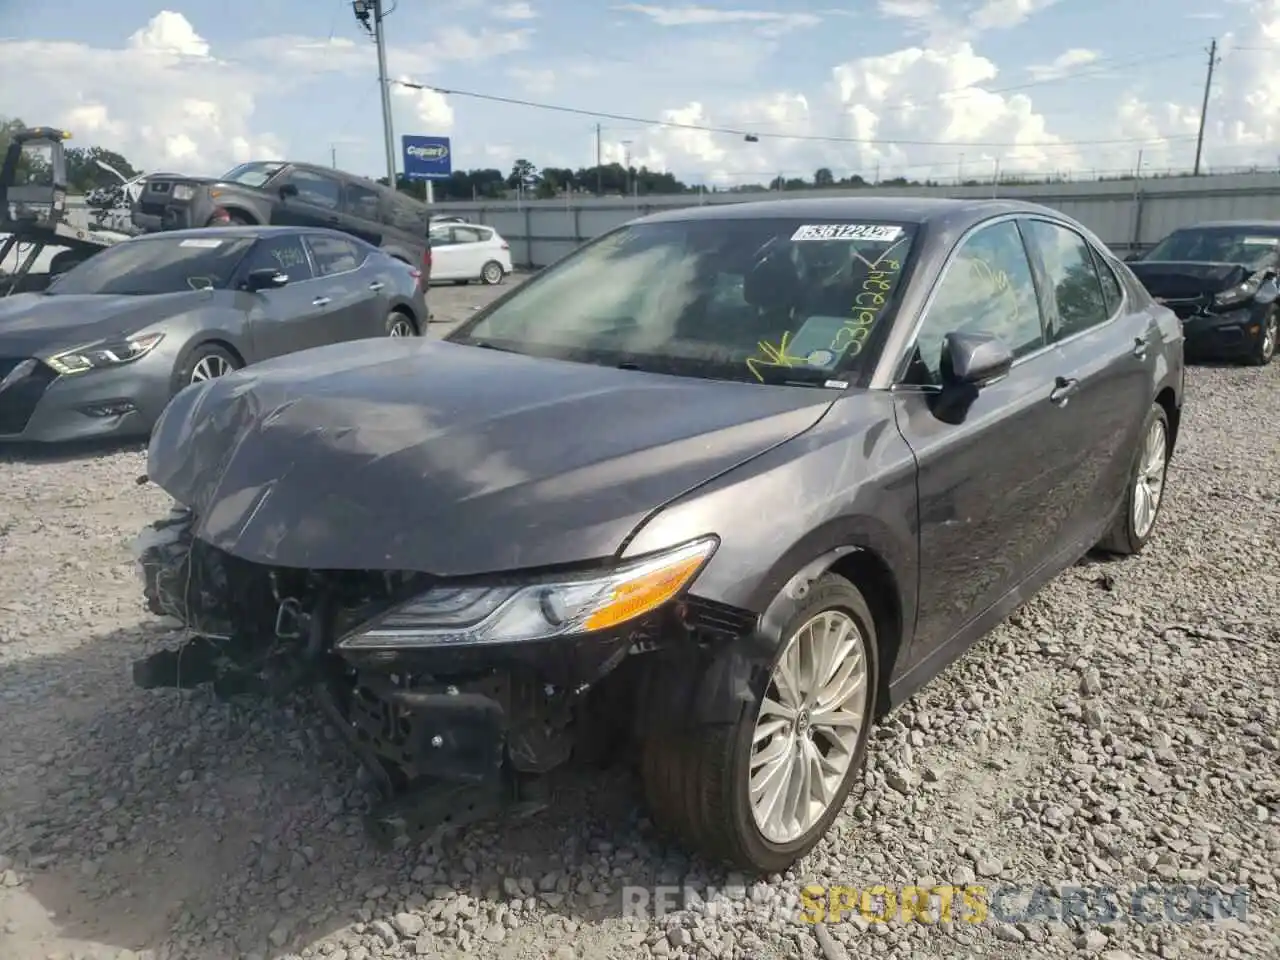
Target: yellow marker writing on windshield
x=774 y=355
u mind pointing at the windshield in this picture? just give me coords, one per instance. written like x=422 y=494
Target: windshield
x=767 y=300
x=149 y=266
x=1251 y=247
x=252 y=174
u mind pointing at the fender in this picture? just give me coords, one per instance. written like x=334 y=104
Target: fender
x=728 y=683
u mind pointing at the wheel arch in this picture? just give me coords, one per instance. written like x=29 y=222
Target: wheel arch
x=243 y=210
x=861 y=558
x=1169 y=402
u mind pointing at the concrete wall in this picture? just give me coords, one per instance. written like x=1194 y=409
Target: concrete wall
x=1128 y=215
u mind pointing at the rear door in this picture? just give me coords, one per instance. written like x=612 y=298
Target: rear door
x=318 y=202
x=360 y=212
x=348 y=301
x=1109 y=351
x=987 y=486
x=279 y=320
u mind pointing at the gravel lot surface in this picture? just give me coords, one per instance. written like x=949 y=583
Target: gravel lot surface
x=1120 y=729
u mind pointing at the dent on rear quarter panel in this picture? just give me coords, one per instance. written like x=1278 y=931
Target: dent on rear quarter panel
x=848 y=481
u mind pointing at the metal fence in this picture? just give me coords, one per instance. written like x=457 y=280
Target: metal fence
x=1127 y=214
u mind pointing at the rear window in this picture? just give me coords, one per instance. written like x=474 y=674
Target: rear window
x=768 y=301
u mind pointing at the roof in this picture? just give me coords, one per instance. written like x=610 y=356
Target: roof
x=900 y=209
x=1238 y=224
x=240 y=232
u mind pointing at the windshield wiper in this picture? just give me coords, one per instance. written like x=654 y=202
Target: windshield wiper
x=797 y=376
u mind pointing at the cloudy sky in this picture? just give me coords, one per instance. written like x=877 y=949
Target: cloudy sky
x=914 y=87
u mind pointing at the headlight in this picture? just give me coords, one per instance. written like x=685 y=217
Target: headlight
x=536 y=610
x=1233 y=296
x=108 y=354
x=183 y=193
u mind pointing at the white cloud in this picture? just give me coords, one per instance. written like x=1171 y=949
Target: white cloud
x=1003 y=14
x=515 y=11
x=711 y=16
x=533 y=82
x=1064 y=63
x=162 y=99
x=429 y=107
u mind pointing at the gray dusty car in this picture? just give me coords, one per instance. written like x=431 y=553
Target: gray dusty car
x=104 y=349
x=729 y=481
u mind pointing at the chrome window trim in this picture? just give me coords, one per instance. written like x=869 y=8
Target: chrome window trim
x=306 y=238
x=892 y=364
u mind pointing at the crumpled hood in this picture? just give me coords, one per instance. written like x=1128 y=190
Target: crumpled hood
x=1179 y=279
x=403 y=454
x=32 y=324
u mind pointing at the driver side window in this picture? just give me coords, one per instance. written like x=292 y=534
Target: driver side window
x=987 y=288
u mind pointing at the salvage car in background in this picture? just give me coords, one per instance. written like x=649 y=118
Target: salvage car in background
x=1220 y=279
x=289 y=194
x=102 y=351
x=731 y=479
x=466 y=252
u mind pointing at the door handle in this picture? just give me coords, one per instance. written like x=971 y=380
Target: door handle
x=377 y=285
x=1063 y=389
x=1140 y=347
x=321 y=302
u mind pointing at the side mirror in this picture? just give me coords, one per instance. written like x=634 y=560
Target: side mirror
x=288 y=190
x=267 y=278
x=973 y=359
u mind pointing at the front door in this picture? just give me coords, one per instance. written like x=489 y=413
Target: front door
x=278 y=318
x=987 y=486
x=350 y=308
x=317 y=202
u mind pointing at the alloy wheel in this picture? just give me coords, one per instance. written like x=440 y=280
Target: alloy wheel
x=1270 y=334
x=400 y=327
x=1149 y=487
x=210 y=368
x=809 y=726
x=492 y=273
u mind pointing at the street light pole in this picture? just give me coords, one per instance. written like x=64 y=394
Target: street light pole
x=380 y=39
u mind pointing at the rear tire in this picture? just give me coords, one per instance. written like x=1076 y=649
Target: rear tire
x=1265 y=349
x=1144 y=496
x=400 y=324
x=208 y=361
x=492 y=273
x=698 y=783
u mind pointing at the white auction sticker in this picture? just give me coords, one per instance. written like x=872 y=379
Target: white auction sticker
x=875 y=232
x=206 y=244
x=1261 y=241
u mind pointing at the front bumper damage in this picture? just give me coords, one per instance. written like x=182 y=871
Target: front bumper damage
x=449 y=736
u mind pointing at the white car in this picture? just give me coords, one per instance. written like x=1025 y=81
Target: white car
x=464 y=252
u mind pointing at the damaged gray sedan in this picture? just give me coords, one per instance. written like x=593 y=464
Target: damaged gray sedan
x=714 y=492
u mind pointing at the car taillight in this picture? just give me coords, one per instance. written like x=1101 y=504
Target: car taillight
x=426 y=259
x=417 y=275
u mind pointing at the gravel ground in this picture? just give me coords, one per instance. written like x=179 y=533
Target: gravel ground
x=1120 y=729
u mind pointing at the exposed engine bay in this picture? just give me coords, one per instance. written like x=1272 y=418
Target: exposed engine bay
x=449 y=736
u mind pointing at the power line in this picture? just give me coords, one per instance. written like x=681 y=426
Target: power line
x=730 y=131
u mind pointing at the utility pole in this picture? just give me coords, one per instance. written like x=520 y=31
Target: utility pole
x=599 y=161
x=626 y=162
x=380 y=39
x=1204 y=107
x=333 y=156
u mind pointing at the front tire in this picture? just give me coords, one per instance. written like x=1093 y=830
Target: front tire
x=761 y=793
x=1144 y=496
x=1268 y=341
x=208 y=361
